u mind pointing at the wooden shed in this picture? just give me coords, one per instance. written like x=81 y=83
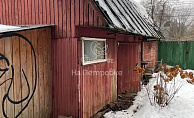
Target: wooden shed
x=95 y=46
x=25 y=71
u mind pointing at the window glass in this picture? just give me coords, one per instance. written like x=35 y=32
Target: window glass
x=94 y=50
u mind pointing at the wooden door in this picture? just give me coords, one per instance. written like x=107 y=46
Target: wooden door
x=128 y=57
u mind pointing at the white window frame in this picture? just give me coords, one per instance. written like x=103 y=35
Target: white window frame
x=95 y=61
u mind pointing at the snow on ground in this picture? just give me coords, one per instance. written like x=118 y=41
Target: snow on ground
x=182 y=106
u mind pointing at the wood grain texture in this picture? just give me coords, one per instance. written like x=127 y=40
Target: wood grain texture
x=20 y=56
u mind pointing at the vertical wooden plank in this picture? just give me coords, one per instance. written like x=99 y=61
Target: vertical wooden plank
x=77 y=12
x=80 y=81
x=13 y=11
x=95 y=104
x=48 y=77
x=102 y=86
x=2 y=65
x=29 y=7
x=91 y=15
x=37 y=92
x=130 y=88
x=127 y=77
x=41 y=45
x=8 y=55
x=52 y=11
x=19 y=12
x=48 y=12
x=4 y=11
x=68 y=75
x=37 y=14
x=139 y=59
x=74 y=77
x=7 y=11
x=100 y=89
x=85 y=95
x=91 y=92
x=22 y=2
x=66 y=71
x=30 y=71
x=68 y=8
x=60 y=17
x=76 y=107
x=59 y=99
x=56 y=15
x=10 y=12
x=63 y=84
x=26 y=12
x=23 y=66
x=17 y=71
x=46 y=72
x=33 y=11
x=108 y=77
x=40 y=9
x=81 y=12
x=44 y=7
x=86 y=13
x=64 y=6
x=72 y=19
x=16 y=12
x=54 y=77
x=135 y=61
x=1 y=11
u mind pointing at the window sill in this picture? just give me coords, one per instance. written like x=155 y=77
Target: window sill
x=94 y=62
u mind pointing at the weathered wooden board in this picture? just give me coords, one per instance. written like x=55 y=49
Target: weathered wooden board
x=25 y=78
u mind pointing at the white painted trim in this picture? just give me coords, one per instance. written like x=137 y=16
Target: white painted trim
x=95 y=61
x=93 y=39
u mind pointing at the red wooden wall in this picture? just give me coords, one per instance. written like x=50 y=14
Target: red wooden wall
x=65 y=93
x=128 y=57
x=98 y=90
x=65 y=15
x=150 y=52
x=95 y=90
x=70 y=92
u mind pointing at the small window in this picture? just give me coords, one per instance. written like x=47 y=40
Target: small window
x=93 y=50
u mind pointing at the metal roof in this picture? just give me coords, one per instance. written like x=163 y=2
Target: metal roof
x=14 y=28
x=128 y=15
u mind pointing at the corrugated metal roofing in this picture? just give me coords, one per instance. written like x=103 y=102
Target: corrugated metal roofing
x=129 y=16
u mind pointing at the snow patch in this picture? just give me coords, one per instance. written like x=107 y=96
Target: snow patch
x=7 y=27
x=181 y=106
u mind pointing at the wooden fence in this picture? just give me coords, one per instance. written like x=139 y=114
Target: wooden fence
x=25 y=74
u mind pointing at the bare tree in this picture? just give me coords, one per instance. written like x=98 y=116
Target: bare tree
x=174 y=21
x=159 y=10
